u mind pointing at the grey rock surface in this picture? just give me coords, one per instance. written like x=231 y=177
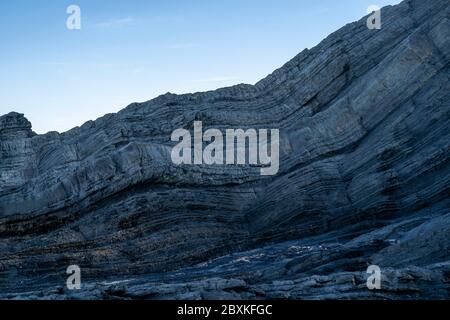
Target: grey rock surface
x=364 y=179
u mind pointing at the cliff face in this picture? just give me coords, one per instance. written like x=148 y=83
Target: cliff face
x=364 y=179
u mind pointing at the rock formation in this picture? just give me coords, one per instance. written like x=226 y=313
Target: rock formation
x=364 y=179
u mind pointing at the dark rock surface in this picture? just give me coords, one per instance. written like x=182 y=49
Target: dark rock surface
x=364 y=179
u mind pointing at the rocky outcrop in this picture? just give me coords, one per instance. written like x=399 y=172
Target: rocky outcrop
x=364 y=179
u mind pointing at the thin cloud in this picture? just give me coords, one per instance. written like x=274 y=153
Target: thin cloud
x=51 y=63
x=179 y=46
x=118 y=22
x=219 y=79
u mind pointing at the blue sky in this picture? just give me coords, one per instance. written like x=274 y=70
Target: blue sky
x=135 y=50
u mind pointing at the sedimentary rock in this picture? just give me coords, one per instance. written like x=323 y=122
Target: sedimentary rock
x=364 y=179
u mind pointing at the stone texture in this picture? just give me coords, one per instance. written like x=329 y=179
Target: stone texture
x=364 y=179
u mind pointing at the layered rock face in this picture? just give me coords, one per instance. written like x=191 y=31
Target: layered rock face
x=364 y=179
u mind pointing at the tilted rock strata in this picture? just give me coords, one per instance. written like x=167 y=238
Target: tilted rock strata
x=364 y=144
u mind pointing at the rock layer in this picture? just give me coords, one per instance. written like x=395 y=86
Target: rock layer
x=364 y=179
